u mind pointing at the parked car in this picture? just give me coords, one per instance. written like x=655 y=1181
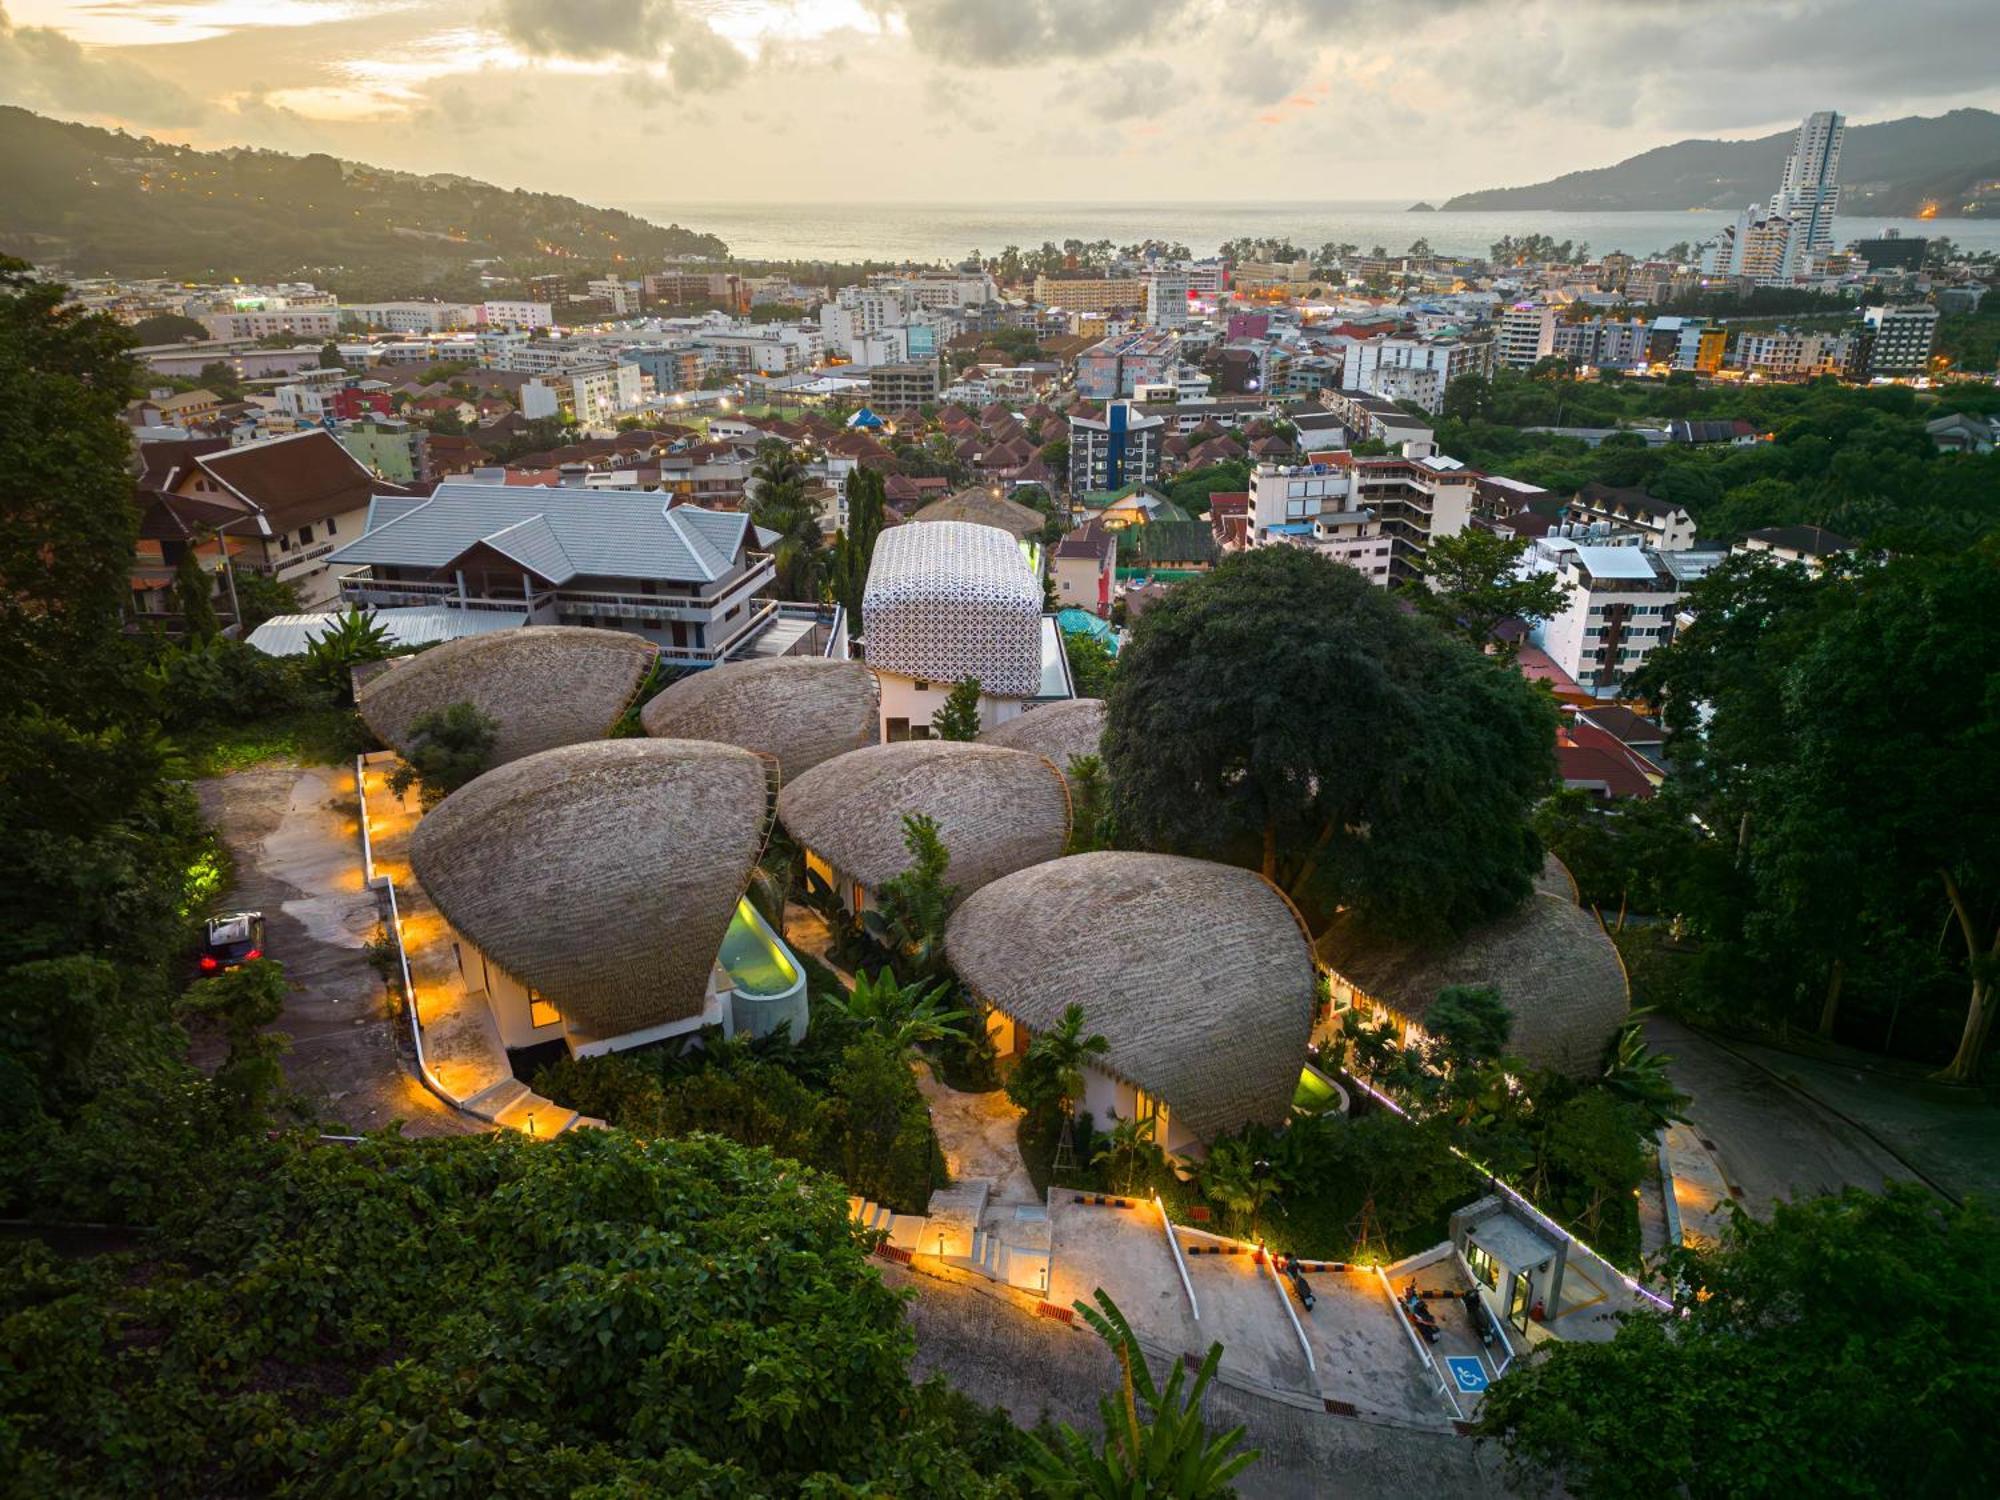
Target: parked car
x=231 y=939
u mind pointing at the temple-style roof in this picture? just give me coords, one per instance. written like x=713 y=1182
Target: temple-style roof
x=543 y=685
x=1550 y=962
x=997 y=810
x=603 y=876
x=1198 y=975
x=800 y=709
x=1059 y=731
x=949 y=600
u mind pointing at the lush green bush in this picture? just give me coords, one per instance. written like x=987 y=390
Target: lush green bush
x=219 y=681
x=480 y=1316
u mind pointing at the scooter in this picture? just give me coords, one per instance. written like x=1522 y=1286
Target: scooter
x=1298 y=1280
x=1419 y=1314
x=1482 y=1321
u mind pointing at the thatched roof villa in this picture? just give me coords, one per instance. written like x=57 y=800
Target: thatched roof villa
x=1549 y=961
x=997 y=811
x=543 y=685
x=1199 y=975
x=591 y=889
x=1058 y=731
x=800 y=709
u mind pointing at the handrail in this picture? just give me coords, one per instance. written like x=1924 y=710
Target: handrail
x=1180 y=1261
x=1423 y=1353
x=395 y=928
x=1271 y=1265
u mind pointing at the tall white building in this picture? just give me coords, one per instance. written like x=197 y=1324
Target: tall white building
x=1527 y=334
x=1167 y=299
x=1810 y=189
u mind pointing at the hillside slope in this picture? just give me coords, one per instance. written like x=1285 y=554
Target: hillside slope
x=101 y=201
x=1896 y=168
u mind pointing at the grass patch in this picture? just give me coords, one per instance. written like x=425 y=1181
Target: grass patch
x=317 y=736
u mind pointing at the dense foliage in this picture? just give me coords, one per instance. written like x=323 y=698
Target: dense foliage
x=1830 y=830
x=478 y=1317
x=1846 y=1347
x=1856 y=461
x=1283 y=714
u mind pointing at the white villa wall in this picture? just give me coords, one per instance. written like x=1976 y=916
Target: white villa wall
x=917 y=701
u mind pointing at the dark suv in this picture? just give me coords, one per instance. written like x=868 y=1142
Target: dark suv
x=230 y=940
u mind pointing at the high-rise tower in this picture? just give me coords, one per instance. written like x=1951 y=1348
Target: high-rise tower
x=1810 y=190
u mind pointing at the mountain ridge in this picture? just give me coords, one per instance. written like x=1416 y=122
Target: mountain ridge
x=105 y=202
x=1949 y=164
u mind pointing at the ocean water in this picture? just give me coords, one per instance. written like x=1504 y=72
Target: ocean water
x=948 y=232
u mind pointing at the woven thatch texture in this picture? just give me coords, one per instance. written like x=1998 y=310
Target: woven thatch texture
x=1197 y=974
x=801 y=709
x=1059 y=731
x=1550 y=962
x=1554 y=879
x=997 y=810
x=544 y=685
x=603 y=875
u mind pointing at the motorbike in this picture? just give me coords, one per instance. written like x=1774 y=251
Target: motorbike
x=1419 y=1313
x=1482 y=1321
x=1298 y=1279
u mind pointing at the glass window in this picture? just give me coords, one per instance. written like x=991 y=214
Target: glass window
x=1484 y=1266
x=540 y=1011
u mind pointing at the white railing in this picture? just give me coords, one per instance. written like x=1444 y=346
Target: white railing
x=395 y=929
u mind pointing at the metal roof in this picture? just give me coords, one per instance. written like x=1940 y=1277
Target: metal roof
x=575 y=532
x=289 y=635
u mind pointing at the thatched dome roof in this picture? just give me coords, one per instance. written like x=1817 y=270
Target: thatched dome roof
x=603 y=875
x=1554 y=879
x=544 y=685
x=996 y=810
x=1059 y=731
x=1198 y=975
x=1549 y=961
x=801 y=709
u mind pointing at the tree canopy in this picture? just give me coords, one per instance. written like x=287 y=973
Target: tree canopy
x=1282 y=713
x=1846 y=1347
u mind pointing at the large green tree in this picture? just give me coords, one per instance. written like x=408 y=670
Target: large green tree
x=1849 y=1346
x=1282 y=713
x=1838 y=736
x=1475 y=583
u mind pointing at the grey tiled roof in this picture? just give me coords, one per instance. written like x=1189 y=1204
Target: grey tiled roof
x=560 y=533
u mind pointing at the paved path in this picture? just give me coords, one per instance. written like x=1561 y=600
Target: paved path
x=1770 y=1141
x=1036 y=1368
x=293 y=837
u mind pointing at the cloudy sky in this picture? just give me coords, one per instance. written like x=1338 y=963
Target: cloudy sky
x=658 y=101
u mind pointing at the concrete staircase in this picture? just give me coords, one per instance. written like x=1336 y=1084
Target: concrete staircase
x=512 y=1104
x=1005 y=1242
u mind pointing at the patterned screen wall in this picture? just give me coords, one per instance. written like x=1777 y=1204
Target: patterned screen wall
x=948 y=600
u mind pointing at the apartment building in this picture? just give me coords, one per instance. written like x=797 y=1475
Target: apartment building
x=257 y=323
x=409 y=317
x=1167 y=295
x=1658 y=523
x=1119 y=448
x=1621 y=606
x=1900 y=339
x=621 y=296
x=766 y=349
x=602 y=392
x=1090 y=293
x=1419 y=370
x=893 y=387
x=1526 y=334
x=1791 y=353
x=1370 y=418
x=1118 y=366
x=515 y=313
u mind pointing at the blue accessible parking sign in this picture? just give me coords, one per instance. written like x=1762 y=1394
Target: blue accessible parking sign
x=1468 y=1372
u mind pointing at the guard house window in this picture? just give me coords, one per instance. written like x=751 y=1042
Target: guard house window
x=1484 y=1266
x=540 y=1011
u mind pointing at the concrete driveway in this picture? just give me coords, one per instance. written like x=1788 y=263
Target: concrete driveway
x=292 y=834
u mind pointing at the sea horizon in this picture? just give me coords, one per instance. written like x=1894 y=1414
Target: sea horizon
x=842 y=231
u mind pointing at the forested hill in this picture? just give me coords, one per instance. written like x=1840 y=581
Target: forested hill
x=1896 y=168
x=104 y=202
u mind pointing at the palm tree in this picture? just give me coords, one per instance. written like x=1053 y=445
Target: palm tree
x=1233 y=1176
x=906 y=1017
x=1166 y=1452
x=1060 y=1054
x=1130 y=1142
x=332 y=655
x=1638 y=1075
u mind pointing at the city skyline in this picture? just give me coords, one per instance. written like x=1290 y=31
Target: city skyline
x=887 y=101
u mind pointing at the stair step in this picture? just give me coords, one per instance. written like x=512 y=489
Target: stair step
x=496 y=1099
